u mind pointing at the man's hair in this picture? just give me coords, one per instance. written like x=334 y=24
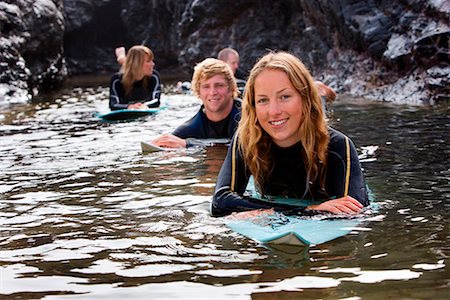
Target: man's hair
x=211 y=67
x=225 y=53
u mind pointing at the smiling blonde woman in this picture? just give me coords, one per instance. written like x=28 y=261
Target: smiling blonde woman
x=283 y=142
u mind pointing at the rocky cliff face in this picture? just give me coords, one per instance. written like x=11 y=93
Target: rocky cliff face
x=31 y=48
x=384 y=50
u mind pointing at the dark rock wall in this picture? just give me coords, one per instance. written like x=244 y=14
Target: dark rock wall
x=384 y=50
x=31 y=48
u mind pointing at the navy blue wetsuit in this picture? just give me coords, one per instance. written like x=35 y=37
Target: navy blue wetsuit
x=200 y=127
x=143 y=91
x=288 y=178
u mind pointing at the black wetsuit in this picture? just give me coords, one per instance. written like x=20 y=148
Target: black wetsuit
x=241 y=74
x=199 y=127
x=288 y=179
x=141 y=92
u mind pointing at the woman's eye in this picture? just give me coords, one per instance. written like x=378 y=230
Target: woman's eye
x=285 y=97
x=261 y=101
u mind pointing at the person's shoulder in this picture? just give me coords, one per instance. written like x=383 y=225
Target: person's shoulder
x=117 y=75
x=116 y=78
x=338 y=140
x=191 y=127
x=155 y=75
x=237 y=103
x=241 y=74
x=236 y=110
x=336 y=137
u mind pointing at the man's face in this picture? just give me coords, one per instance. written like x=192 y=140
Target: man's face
x=233 y=62
x=216 y=95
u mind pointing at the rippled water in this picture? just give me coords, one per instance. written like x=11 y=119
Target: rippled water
x=85 y=215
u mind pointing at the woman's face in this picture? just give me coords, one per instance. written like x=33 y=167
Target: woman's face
x=278 y=107
x=147 y=67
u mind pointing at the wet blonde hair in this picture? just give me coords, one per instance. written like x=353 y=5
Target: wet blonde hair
x=210 y=67
x=132 y=68
x=255 y=143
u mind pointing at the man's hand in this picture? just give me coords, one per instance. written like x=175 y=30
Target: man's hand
x=169 y=140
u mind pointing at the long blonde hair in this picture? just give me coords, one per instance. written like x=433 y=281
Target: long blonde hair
x=255 y=143
x=132 y=68
x=210 y=67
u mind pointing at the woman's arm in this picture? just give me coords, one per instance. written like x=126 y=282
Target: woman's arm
x=116 y=93
x=345 y=179
x=230 y=187
x=157 y=87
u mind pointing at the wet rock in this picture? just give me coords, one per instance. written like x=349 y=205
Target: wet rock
x=32 y=58
x=383 y=50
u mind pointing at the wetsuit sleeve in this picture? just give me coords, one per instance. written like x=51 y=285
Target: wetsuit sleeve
x=188 y=129
x=153 y=96
x=157 y=89
x=116 y=94
x=192 y=128
x=230 y=186
x=345 y=176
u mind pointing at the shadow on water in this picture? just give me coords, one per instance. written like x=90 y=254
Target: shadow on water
x=84 y=214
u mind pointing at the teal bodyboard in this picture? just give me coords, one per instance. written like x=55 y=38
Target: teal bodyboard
x=125 y=114
x=278 y=228
x=292 y=230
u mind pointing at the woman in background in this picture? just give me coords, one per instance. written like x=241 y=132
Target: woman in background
x=137 y=85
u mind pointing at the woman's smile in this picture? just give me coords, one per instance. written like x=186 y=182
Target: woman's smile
x=278 y=123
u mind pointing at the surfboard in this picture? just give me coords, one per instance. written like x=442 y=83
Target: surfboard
x=277 y=228
x=149 y=147
x=124 y=114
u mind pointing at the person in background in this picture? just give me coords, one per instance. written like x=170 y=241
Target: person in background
x=213 y=82
x=284 y=142
x=231 y=57
x=137 y=85
x=121 y=55
x=327 y=94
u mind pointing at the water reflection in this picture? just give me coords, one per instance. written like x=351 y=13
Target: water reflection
x=84 y=214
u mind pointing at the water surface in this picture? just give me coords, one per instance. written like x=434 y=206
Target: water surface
x=86 y=215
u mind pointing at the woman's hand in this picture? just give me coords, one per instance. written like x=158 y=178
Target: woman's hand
x=346 y=205
x=169 y=140
x=138 y=105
